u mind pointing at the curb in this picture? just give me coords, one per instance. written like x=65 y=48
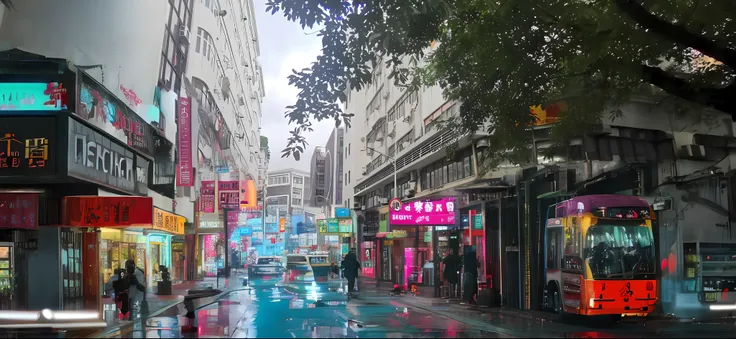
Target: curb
x=109 y=331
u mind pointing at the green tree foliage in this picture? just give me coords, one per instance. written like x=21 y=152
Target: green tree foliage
x=498 y=57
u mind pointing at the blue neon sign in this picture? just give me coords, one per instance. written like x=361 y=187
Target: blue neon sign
x=33 y=96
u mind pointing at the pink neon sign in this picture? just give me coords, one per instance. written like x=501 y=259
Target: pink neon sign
x=433 y=212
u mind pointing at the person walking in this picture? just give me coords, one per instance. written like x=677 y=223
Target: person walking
x=351 y=266
x=136 y=280
x=451 y=273
x=470 y=275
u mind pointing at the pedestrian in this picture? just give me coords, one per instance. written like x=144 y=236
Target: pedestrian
x=135 y=280
x=117 y=286
x=351 y=266
x=451 y=272
x=470 y=275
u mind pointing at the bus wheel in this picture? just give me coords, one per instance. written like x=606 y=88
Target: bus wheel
x=562 y=316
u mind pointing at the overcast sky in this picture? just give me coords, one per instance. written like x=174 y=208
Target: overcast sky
x=284 y=46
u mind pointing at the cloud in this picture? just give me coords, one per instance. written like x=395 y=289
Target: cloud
x=284 y=47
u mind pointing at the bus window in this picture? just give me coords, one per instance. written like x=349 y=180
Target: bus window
x=572 y=241
x=554 y=248
x=615 y=250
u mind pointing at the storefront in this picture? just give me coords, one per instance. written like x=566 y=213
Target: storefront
x=210 y=257
x=336 y=234
x=114 y=233
x=412 y=224
x=159 y=243
x=54 y=156
x=178 y=256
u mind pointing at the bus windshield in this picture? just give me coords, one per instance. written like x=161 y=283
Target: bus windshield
x=625 y=250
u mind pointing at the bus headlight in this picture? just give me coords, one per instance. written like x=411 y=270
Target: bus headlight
x=591 y=303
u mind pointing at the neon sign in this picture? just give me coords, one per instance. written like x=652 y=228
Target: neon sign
x=27 y=144
x=33 y=96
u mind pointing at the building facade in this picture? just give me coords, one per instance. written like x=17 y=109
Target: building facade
x=287 y=195
x=135 y=106
x=681 y=164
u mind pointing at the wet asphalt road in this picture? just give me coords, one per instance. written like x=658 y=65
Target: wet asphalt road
x=313 y=313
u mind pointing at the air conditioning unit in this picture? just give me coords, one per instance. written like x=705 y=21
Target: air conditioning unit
x=184 y=35
x=383 y=201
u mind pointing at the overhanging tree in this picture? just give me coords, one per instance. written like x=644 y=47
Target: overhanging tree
x=500 y=57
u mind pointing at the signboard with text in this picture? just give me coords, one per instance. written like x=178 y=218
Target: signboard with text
x=207 y=197
x=168 y=222
x=186 y=175
x=28 y=146
x=429 y=212
x=94 y=211
x=33 y=96
x=322 y=226
x=95 y=157
x=19 y=211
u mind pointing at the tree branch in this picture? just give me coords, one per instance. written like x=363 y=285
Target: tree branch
x=717 y=98
x=677 y=33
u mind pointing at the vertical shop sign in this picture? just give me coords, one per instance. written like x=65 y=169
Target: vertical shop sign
x=207 y=196
x=322 y=226
x=185 y=177
x=19 y=211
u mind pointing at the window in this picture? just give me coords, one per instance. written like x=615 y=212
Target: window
x=348 y=176
x=298 y=180
x=442 y=171
x=349 y=147
x=554 y=248
x=296 y=191
x=278 y=179
x=174 y=53
x=296 y=201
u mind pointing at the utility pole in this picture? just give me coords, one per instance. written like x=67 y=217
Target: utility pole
x=263 y=222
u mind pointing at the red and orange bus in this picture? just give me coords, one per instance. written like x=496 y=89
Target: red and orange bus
x=600 y=258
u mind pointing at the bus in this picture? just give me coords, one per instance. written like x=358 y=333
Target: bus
x=600 y=258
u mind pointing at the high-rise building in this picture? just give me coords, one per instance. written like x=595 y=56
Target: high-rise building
x=142 y=101
x=326 y=171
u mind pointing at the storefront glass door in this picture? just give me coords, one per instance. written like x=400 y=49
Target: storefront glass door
x=71 y=270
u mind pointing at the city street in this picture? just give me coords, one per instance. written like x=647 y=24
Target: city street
x=278 y=312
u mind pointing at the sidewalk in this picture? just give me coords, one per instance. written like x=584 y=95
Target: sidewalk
x=426 y=301
x=158 y=304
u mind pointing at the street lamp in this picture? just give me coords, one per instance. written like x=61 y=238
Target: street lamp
x=393 y=163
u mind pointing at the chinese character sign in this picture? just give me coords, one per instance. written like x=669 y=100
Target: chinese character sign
x=168 y=222
x=19 y=211
x=186 y=175
x=433 y=212
x=207 y=197
x=27 y=146
x=93 y=211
